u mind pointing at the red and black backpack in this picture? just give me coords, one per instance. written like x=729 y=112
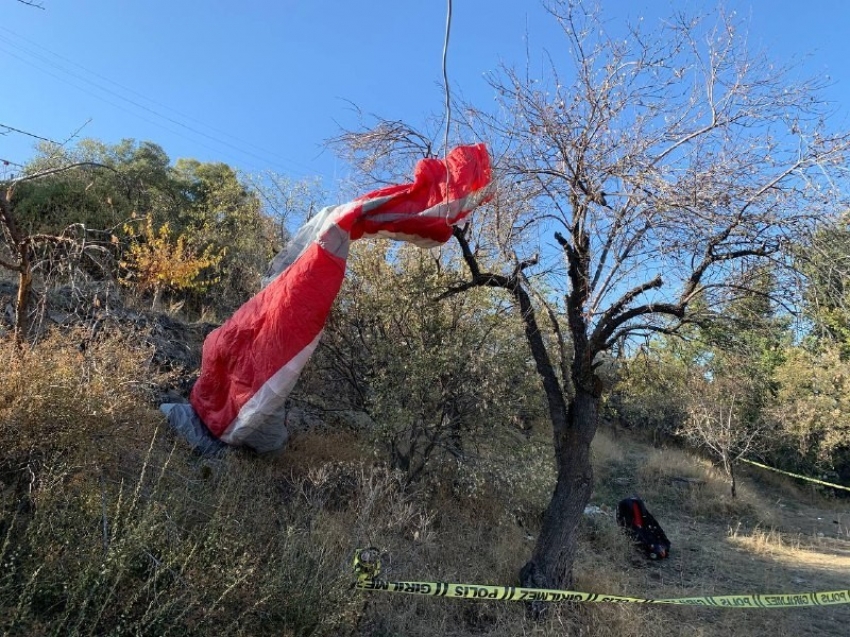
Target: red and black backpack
x=638 y=522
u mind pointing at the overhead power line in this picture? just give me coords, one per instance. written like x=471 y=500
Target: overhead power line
x=27 y=133
x=30 y=3
x=36 y=60
x=448 y=102
x=113 y=104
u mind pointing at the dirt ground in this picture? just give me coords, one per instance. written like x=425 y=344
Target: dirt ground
x=796 y=541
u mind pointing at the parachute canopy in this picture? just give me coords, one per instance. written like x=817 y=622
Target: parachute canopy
x=251 y=363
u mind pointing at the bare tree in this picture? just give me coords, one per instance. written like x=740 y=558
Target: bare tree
x=658 y=160
x=719 y=420
x=288 y=202
x=20 y=250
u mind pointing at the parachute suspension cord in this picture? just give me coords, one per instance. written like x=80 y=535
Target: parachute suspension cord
x=448 y=105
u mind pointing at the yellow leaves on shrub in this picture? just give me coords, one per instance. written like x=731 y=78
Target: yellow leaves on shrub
x=159 y=260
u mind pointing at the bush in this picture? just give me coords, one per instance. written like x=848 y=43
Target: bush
x=812 y=412
x=110 y=526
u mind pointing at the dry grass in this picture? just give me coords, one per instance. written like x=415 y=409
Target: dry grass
x=698 y=488
x=109 y=526
x=753 y=544
x=475 y=539
x=765 y=541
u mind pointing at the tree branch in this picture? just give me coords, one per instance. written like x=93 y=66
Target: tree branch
x=14 y=267
x=62 y=169
x=623 y=302
x=479 y=279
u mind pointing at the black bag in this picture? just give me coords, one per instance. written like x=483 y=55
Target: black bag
x=640 y=525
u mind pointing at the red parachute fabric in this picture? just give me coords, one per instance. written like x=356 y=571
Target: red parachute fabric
x=251 y=363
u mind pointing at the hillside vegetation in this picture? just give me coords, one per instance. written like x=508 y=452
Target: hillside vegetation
x=657 y=290
x=419 y=426
x=109 y=525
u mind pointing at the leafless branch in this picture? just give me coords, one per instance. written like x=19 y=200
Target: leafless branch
x=61 y=169
x=18 y=130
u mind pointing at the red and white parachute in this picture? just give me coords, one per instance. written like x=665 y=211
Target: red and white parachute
x=251 y=363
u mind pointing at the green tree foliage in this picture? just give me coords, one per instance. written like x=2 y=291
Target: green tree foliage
x=434 y=376
x=220 y=213
x=825 y=262
x=714 y=385
x=811 y=414
x=746 y=341
x=650 y=388
x=208 y=210
x=138 y=181
x=811 y=411
x=739 y=385
x=29 y=253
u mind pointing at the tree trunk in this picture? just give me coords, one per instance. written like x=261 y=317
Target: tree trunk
x=551 y=564
x=573 y=428
x=732 y=477
x=20 y=251
x=573 y=425
x=22 y=305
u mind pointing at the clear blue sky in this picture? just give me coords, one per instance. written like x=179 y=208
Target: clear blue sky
x=261 y=84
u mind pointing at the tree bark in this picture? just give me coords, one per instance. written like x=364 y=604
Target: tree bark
x=732 y=477
x=20 y=250
x=551 y=563
x=573 y=428
x=22 y=305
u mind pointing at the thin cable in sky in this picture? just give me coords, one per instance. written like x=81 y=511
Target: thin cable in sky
x=28 y=134
x=265 y=159
x=448 y=101
x=144 y=97
x=122 y=108
x=446 y=74
x=108 y=91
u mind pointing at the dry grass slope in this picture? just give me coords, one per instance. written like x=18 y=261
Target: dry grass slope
x=110 y=526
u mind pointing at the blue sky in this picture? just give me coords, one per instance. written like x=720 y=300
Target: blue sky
x=261 y=84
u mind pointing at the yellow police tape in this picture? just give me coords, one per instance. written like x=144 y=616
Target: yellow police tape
x=796 y=475
x=367 y=566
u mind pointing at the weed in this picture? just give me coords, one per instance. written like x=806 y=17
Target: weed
x=108 y=525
